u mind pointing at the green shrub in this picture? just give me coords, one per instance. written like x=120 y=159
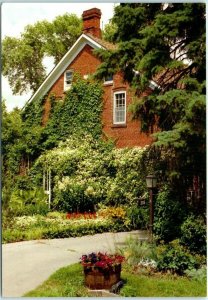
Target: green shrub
x=135 y=251
x=138 y=217
x=197 y=274
x=175 y=258
x=169 y=214
x=193 y=234
x=76 y=230
x=7 y=219
x=73 y=199
x=56 y=215
x=12 y=235
x=23 y=183
x=28 y=202
x=119 y=225
x=33 y=234
x=7 y=189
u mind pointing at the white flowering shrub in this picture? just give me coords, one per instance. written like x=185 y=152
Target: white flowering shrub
x=26 y=221
x=148 y=263
x=88 y=171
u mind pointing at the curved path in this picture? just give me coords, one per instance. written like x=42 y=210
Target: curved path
x=25 y=265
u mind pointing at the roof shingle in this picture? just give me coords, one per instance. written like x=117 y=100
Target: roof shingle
x=103 y=43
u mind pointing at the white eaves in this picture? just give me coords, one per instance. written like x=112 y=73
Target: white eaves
x=56 y=72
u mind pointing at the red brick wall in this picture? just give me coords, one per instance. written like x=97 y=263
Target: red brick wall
x=128 y=136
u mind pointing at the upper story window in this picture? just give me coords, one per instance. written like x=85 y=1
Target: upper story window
x=68 y=76
x=119 y=108
x=108 y=79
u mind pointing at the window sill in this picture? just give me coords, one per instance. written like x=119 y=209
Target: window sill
x=118 y=126
x=66 y=90
x=108 y=83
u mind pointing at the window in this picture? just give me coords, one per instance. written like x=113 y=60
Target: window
x=68 y=76
x=119 y=109
x=108 y=79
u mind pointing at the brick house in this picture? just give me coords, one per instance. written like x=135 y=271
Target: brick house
x=116 y=119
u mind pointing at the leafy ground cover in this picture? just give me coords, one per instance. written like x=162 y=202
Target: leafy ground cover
x=68 y=282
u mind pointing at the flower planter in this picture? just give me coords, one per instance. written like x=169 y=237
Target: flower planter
x=101 y=278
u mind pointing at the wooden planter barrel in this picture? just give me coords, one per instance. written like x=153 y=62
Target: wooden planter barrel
x=102 y=279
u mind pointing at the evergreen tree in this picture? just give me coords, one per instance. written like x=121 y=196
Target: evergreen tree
x=166 y=43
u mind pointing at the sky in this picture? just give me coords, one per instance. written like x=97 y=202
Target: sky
x=15 y=16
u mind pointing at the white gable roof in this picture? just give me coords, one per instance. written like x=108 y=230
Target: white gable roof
x=82 y=41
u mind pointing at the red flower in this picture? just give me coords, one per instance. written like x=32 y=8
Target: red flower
x=101 y=264
x=101 y=260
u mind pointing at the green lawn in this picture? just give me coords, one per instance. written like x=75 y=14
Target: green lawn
x=165 y=286
x=68 y=282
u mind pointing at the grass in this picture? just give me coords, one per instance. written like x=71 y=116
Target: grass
x=163 y=286
x=68 y=282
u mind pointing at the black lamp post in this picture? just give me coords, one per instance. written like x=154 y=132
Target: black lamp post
x=151 y=182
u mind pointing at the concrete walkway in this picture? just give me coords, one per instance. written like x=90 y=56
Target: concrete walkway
x=25 y=265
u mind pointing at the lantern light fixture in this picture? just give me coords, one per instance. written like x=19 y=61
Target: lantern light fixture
x=151 y=181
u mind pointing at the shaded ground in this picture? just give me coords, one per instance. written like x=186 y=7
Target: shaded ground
x=27 y=264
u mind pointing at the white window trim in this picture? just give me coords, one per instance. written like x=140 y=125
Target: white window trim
x=153 y=85
x=67 y=86
x=114 y=105
x=108 y=81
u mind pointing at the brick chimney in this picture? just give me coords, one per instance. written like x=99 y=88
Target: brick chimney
x=91 y=22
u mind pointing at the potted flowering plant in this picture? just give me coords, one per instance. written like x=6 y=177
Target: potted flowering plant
x=101 y=270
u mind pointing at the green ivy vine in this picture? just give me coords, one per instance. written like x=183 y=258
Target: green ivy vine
x=79 y=112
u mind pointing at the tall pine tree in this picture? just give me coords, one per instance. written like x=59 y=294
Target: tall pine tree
x=166 y=43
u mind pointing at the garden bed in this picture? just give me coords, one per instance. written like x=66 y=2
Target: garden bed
x=58 y=225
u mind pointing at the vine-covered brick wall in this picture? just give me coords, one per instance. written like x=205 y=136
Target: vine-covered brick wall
x=86 y=63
